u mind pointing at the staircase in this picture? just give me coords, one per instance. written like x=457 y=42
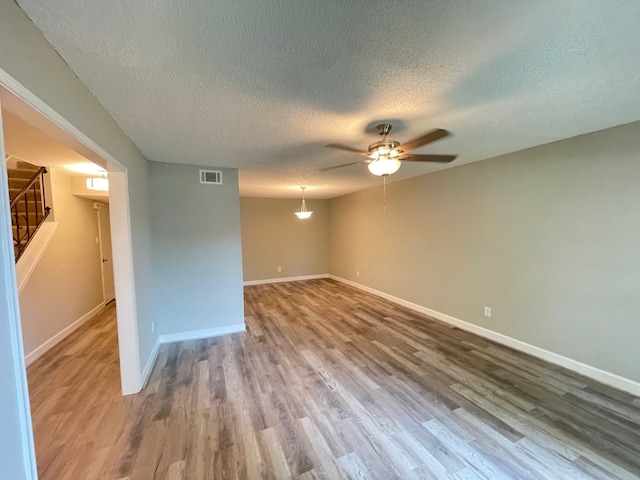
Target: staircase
x=28 y=203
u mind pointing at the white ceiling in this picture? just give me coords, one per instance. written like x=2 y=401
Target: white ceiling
x=261 y=86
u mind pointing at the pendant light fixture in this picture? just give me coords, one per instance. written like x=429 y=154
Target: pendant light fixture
x=303 y=213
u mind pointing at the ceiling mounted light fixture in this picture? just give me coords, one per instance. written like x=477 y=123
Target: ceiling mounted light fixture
x=303 y=213
x=383 y=166
x=98 y=183
x=384 y=157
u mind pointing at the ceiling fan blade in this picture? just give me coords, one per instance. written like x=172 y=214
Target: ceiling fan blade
x=347 y=148
x=432 y=136
x=430 y=158
x=340 y=166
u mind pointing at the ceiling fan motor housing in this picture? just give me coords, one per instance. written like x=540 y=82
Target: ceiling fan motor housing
x=383 y=128
x=386 y=148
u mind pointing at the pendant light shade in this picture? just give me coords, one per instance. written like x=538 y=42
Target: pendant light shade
x=303 y=213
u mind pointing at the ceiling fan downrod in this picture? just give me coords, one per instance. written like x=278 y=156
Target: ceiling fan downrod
x=383 y=129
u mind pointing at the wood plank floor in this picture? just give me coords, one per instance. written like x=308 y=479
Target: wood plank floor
x=328 y=382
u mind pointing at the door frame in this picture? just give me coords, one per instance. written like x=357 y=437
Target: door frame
x=102 y=209
x=17 y=392
x=43 y=117
x=52 y=123
x=49 y=121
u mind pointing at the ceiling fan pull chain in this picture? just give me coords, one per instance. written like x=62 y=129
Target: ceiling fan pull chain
x=384 y=193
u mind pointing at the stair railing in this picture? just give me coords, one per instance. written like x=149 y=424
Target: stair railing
x=25 y=230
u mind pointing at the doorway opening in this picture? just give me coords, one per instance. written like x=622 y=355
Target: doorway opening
x=81 y=155
x=21 y=104
x=106 y=254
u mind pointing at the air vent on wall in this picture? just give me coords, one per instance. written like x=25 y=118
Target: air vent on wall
x=211 y=177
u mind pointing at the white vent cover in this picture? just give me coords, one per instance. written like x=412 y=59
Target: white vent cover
x=211 y=177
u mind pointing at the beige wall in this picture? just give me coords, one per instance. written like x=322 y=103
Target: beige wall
x=272 y=237
x=66 y=284
x=548 y=237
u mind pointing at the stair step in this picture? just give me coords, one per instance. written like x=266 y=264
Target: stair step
x=19 y=177
x=20 y=173
x=22 y=220
x=18 y=182
x=23 y=231
x=13 y=193
x=32 y=207
x=22 y=165
x=24 y=238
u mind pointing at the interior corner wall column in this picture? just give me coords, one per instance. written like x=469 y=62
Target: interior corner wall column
x=123 y=267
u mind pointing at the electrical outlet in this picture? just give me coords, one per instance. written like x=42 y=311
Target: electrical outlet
x=153 y=326
x=487 y=311
x=279 y=269
x=357 y=273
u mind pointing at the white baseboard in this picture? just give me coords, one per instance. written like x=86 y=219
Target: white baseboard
x=199 y=334
x=594 y=373
x=285 y=279
x=146 y=371
x=61 y=335
x=183 y=337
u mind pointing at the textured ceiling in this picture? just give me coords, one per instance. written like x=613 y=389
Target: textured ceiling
x=261 y=86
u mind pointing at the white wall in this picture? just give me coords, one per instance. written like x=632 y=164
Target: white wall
x=66 y=284
x=197 y=255
x=548 y=237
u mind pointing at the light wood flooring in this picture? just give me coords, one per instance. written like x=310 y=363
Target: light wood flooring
x=328 y=382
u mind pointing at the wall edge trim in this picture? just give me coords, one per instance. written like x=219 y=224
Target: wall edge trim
x=151 y=361
x=200 y=334
x=33 y=254
x=284 y=279
x=594 y=373
x=61 y=335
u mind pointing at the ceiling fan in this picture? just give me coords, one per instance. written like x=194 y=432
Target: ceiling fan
x=384 y=157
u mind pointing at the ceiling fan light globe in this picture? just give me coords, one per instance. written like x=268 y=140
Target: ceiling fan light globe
x=384 y=166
